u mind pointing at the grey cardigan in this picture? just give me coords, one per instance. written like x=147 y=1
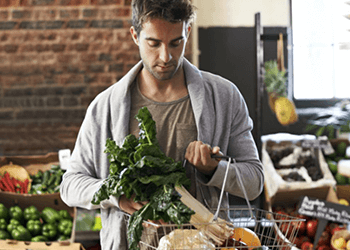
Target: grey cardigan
x=222 y=119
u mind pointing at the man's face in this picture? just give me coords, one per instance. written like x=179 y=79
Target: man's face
x=162 y=47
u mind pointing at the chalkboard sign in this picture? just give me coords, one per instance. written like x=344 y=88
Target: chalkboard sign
x=324 y=210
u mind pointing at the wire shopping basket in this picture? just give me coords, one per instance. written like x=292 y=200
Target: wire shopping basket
x=229 y=228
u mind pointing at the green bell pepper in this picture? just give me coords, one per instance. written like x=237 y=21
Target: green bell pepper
x=64 y=214
x=16 y=213
x=49 y=231
x=4 y=212
x=4 y=235
x=31 y=213
x=21 y=233
x=34 y=227
x=65 y=227
x=12 y=225
x=62 y=238
x=3 y=224
x=39 y=238
x=50 y=215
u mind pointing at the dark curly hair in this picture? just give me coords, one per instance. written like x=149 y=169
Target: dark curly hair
x=169 y=10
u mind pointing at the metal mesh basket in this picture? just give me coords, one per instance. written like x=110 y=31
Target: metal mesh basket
x=273 y=230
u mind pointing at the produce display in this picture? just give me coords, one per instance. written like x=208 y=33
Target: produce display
x=29 y=224
x=294 y=162
x=14 y=178
x=307 y=230
x=48 y=181
x=339 y=163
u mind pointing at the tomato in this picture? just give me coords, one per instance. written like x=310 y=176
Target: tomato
x=311 y=227
x=307 y=246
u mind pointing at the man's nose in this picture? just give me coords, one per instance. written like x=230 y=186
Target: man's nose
x=165 y=54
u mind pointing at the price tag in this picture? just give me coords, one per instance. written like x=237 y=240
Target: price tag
x=324 y=211
x=63 y=157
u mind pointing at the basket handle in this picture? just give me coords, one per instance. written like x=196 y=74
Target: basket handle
x=238 y=174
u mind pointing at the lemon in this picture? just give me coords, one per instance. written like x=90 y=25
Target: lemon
x=339 y=243
x=343 y=202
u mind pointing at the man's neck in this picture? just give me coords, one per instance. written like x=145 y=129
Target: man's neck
x=162 y=90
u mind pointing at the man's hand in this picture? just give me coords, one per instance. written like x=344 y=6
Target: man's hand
x=129 y=205
x=199 y=155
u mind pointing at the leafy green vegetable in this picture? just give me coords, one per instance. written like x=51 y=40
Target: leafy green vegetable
x=139 y=167
x=274 y=79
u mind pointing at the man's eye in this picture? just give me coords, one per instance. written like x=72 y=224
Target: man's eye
x=153 y=43
x=176 y=43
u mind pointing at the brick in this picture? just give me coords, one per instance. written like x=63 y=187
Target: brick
x=35 y=80
x=77 y=24
x=105 y=57
x=15 y=92
x=24 y=58
x=43 y=2
x=105 y=2
x=26 y=48
x=53 y=101
x=10 y=48
x=7 y=25
x=95 y=68
x=90 y=78
x=90 y=13
x=26 y=70
x=57 y=47
x=70 y=101
x=42 y=47
x=127 y=2
x=75 y=90
x=121 y=12
x=46 y=91
x=74 y=68
x=6 y=115
x=4 y=59
x=81 y=46
x=109 y=24
x=118 y=67
x=4 y=15
x=40 y=25
x=67 y=58
x=88 y=57
x=19 y=14
x=69 y=13
x=4 y=37
x=12 y=102
x=5 y=3
x=73 y=2
x=47 y=14
x=71 y=79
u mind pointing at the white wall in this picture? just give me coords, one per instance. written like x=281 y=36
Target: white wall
x=240 y=13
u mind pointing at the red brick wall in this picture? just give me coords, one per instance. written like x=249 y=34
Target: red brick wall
x=55 y=57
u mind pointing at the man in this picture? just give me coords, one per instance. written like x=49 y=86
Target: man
x=197 y=114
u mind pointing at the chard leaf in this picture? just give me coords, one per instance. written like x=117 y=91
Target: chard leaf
x=140 y=168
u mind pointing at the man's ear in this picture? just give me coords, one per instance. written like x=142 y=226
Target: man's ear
x=189 y=28
x=134 y=35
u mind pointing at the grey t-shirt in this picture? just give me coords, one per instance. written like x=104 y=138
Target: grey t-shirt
x=175 y=122
x=175 y=125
